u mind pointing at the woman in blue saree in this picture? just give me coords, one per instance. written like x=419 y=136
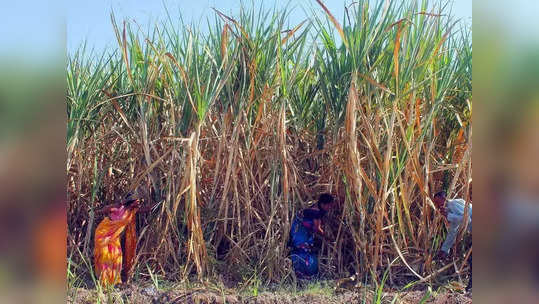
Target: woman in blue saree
x=306 y=224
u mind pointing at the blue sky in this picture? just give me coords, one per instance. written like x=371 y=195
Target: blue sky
x=90 y=20
x=31 y=30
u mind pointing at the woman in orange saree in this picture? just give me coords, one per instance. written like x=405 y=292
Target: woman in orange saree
x=108 y=250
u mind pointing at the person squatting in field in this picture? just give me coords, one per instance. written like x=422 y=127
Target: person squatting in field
x=110 y=264
x=307 y=223
x=453 y=211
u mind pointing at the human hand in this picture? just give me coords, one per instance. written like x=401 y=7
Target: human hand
x=135 y=205
x=446 y=222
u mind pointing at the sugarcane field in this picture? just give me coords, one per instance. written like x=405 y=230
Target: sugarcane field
x=266 y=159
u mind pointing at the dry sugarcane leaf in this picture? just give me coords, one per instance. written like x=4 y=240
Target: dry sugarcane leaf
x=291 y=32
x=335 y=22
x=224 y=40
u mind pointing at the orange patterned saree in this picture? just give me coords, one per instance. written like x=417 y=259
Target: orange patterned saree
x=108 y=250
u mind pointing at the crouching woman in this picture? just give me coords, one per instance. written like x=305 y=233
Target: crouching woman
x=108 y=257
x=307 y=223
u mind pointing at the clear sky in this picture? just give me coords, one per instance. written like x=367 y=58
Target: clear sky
x=31 y=30
x=90 y=20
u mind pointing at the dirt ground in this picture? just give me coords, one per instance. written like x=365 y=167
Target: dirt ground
x=149 y=294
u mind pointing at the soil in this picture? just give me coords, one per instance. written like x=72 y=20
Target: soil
x=136 y=294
